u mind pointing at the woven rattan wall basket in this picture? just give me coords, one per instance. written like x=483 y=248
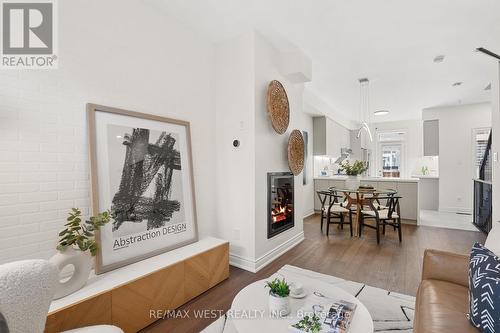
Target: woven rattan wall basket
x=277 y=106
x=296 y=152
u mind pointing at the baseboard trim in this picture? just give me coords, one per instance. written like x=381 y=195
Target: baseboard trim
x=269 y=257
x=456 y=210
x=242 y=262
x=255 y=265
x=310 y=213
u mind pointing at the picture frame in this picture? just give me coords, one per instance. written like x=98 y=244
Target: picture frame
x=153 y=198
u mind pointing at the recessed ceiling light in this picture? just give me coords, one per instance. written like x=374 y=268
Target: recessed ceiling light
x=381 y=112
x=438 y=59
x=118 y=136
x=457 y=84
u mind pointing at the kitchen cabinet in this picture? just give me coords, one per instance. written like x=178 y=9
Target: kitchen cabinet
x=329 y=137
x=323 y=185
x=369 y=183
x=431 y=137
x=319 y=136
x=428 y=193
x=337 y=183
x=409 y=200
x=389 y=185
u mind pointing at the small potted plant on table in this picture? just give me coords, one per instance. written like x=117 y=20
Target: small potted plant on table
x=76 y=247
x=279 y=297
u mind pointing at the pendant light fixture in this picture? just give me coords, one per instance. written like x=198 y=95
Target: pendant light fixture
x=364 y=113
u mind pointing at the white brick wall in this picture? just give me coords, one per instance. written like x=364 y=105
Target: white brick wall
x=43 y=132
x=43 y=165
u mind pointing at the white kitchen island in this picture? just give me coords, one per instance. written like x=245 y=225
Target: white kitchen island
x=406 y=188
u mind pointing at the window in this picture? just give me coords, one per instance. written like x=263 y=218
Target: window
x=391 y=160
x=390 y=153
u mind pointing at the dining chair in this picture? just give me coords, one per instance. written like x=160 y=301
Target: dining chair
x=333 y=211
x=378 y=204
x=389 y=215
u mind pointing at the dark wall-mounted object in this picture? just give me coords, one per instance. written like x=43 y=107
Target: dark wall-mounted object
x=236 y=143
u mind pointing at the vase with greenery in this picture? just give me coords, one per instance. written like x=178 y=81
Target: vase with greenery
x=353 y=171
x=279 y=297
x=76 y=247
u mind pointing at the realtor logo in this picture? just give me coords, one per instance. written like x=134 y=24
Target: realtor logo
x=28 y=34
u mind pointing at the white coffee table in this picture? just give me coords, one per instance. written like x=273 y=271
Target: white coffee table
x=253 y=299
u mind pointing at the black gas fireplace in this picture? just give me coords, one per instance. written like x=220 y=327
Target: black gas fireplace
x=279 y=202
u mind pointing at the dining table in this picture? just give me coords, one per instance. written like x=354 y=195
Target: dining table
x=358 y=197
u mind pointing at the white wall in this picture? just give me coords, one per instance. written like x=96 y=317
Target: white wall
x=317 y=106
x=152 y=64
x=235 y=108
x=413 y=144
x=245 y=66
x=455 y=152
x=271 y=150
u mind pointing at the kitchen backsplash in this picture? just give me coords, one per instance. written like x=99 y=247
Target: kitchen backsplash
x=322 y=163
x=430 y=163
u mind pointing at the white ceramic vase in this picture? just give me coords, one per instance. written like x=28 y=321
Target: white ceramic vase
x=279 y=306
x=352 y=182
x=82 y=261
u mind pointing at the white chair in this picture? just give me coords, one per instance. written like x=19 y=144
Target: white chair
x=26 y=291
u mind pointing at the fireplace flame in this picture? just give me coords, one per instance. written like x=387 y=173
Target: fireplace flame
x=279 y=214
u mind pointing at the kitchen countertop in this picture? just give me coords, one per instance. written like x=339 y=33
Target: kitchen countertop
x=371 y=179
x=425 y=176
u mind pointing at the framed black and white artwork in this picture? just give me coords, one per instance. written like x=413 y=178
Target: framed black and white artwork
x=141 y=170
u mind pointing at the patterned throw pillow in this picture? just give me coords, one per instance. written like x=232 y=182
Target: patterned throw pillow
x=484 y=289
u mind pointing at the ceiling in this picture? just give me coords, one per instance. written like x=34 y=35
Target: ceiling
x=391 y=42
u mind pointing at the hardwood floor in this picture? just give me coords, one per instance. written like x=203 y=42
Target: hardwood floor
x=391 y=265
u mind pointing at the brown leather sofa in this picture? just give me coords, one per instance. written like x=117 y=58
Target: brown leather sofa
x=443 y=295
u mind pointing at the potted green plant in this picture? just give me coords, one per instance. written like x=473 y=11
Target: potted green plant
x=353 y=171
x=279 y=297
x=77 y=246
